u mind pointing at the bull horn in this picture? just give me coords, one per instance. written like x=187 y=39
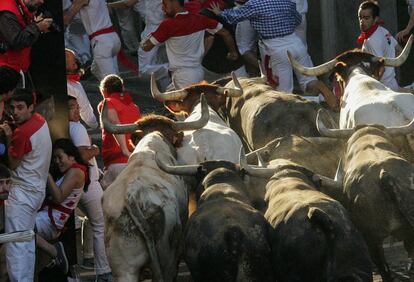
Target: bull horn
x=115 y=128
x=401 y=130
x=312 y=71
x=167 y=96
x=252 y=170
x=177 y=170
x=326 y=182
x=196 y=124
x=333 y=133
x=396 y=62
x=237 y=91
x=262 y=71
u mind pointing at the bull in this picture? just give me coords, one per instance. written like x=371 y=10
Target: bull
x=214 y=141
x=226 y=239
x=145 y=209
x=312 y=238
x=377 y=187
x=365 y=99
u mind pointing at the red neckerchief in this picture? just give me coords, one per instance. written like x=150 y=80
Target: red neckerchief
x=124 y=97
x=27 y=15
x=366 y=34
x=73 y=77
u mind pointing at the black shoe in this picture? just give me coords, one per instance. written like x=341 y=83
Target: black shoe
x=61 y=259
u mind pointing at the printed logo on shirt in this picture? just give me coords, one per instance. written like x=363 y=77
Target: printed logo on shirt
x=388 y=36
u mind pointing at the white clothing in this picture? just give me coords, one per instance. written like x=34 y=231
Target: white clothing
x=44 y=227
x=382 y=44
x=90 y=202
x=246 y=37
x=75 y=89
x=301 y=6
x=33 y=169
x=21 y=208
x=105 y=48
x=300 y=30
x=277 y=49
x=187 y=76
x=127 y=27
x=95 y=16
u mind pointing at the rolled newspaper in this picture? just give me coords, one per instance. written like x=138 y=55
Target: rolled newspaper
x=18 y=236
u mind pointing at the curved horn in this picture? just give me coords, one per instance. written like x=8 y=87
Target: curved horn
x=167 y=96
x=196 y=124
x=237 y=91
x=401 y=130
x=115 y=128
x=312 y=71
x=396 y=62
x=177 y=170
x=252 y=170
x=334 y=133
x=327 y=182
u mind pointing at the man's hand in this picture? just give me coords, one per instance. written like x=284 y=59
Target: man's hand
x=80 y=3
x=7 y=131
x=400 y=36
x=232 y=56
x=43 y=24
x=215 y=8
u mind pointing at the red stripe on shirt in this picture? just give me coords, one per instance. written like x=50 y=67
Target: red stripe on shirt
x=182 y=25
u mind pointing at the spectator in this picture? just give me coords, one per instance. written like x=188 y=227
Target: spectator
x=5 y=180
x=75 y=89
x=19 y=30
x=378 y=41
x=98 y=25
x=90 y=202
x=275 y=21
x=117 y=148
x=8 y=83
x=403 y=34
x=29 y=153
x=183 y=34
x=63 y=197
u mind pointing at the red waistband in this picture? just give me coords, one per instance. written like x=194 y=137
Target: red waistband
x=102 y=31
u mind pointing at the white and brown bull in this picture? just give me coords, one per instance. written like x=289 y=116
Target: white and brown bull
x=365 y=100
x=212 y=142
x=226 y=239
x=313 y=238
x=145 y=208
x=378 y=187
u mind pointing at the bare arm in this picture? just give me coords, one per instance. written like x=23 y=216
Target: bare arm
x=400 y=35
x=73 y=10
x=13 y=161
x=147 y=45
x=120 y=138
x=74 y=178
x=88 y=152
x=123 y=4
x=231 y=46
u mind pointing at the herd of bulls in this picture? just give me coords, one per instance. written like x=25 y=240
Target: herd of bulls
x=275 y=214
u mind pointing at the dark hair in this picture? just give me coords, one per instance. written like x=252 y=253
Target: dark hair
x=112 y=83
x=375 y=10
x=71 y=150
x=4 y=171
x=8 y=79
x=70 y=98
x=181 y=3
x=23 y=95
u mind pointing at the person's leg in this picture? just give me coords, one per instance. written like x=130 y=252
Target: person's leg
x=129 y=32
x=184 y=77
x=90 y=204
x=20 y=209
x=282 y=69
x=105 y=49
x=45 y=246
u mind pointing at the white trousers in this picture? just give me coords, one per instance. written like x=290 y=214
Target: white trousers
x=277 y=49
x=187 y=76
x=246 y=37
x=90 y=204
x=105 y=48
x=21 y=208
x=301 y=30
x=110 y=174
x=77 y=40
x=129 y=32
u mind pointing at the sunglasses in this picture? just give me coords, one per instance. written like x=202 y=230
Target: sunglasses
x=6 y=181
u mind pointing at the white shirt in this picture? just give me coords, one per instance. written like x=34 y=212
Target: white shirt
x=94 y=16
x=301 y=6
x=382 y=44
x=151 y=11
x=75 y=89
x=80 y=137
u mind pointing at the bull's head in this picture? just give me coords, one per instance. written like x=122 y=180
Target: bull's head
x=342 y=64
x=183 y=100
x=168 y=127
x=346 y=133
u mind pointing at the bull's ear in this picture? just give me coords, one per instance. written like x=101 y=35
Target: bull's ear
x=137 y=136
x=174 y=107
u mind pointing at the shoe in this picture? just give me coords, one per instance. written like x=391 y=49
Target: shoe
x=106 y=277
x=61 y=259
x=88 y=263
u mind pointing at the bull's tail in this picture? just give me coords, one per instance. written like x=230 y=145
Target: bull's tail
x=233 y=238
x=319 y=218
x=142 y=224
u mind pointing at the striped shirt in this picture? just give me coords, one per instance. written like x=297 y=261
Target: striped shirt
x=270 y=18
